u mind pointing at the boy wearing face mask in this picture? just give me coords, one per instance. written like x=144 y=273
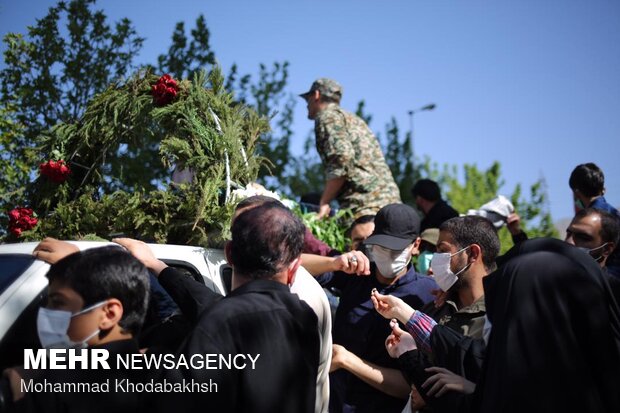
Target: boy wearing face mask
x=367 y=379
x=96 y=299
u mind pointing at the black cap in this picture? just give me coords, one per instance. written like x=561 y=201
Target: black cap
x=396 y=226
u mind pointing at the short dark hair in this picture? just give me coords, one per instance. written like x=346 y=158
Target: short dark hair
x=427 y=189
x=265 y=239
x=610 y=224
x=472 y=229
x=102 y=273
x=588 y=179
x=364 y=219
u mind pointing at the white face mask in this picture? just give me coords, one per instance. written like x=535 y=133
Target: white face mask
x=388 y=263
x=440 y=264
x=53 y=325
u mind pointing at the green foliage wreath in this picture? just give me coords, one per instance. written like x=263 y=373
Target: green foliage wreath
x=198 y=128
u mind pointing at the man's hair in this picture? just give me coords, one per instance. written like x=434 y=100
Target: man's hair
x=364 y=219
x=427 y=189
x=102 y=273
x=588 y=179
x=256 y=200
x=478 y=230
x=328 y=99
x=610 y=224
x=265 y=239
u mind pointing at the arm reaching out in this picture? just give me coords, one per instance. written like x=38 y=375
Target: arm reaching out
x=52 y=250
x=143 y=253
x=353 y=262
x=391 y=307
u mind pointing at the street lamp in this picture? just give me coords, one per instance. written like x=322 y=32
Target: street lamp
x=430 y=106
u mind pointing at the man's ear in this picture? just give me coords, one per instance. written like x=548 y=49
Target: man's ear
x=291 y=270
x=227 y=249
x=609 y=249
x=475 y=252
x=112 y=314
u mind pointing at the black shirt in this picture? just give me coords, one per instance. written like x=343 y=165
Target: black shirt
x=260 y=317
x=436 y=216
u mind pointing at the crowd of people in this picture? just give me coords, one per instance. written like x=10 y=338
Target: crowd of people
x=430 y=316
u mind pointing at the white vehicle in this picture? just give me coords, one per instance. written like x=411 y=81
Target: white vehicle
x=23 y=287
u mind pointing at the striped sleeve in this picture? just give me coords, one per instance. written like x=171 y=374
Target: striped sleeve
x=420 y=326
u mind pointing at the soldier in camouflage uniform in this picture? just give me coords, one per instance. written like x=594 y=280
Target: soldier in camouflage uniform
x=356 y=172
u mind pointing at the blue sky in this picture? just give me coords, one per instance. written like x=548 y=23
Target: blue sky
x=534 y=85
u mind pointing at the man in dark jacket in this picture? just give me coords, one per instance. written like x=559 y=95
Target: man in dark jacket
x=427 y=197
x=260 y=320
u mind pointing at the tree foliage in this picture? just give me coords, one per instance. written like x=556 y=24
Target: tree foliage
x=187 y=57
x=52 y=73
x=476 y=187
x=15 y=162
x=69 y=93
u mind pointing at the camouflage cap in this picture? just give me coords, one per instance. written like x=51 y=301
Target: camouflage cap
x=326 y=87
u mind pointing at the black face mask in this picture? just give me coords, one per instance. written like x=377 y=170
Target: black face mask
x=591 y=250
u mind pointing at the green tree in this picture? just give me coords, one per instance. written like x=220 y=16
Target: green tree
x=267 y=95
x=15 y=163
x=50 y=76
x=305 y=174
x=186 y=57
x=477 y=187
x=399 y=158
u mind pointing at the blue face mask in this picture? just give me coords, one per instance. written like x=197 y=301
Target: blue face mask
x=424 y=262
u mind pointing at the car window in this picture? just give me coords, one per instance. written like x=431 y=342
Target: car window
x=22 y=334
x=11 y=267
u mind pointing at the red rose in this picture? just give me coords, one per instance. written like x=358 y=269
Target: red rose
x=14 y=215
x=21 y=219
x=164 y=90
x=55 y=171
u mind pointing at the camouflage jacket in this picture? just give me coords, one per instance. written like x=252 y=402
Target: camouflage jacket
x=349 y=149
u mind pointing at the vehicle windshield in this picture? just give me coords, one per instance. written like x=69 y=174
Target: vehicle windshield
x=11 y=267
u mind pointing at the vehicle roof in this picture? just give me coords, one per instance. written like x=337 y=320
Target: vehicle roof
x=28 y=247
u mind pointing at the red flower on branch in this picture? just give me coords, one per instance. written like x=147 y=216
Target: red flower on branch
x=55 y=171
x=21 y=219
x=165 y=90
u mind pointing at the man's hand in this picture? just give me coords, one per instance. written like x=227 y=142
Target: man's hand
x=417 y=401
x=15 y=383
x=399 y=341
x=353 y=262
x=513 y=223
x=391 y=307
x=445 y=380
x=339 y=356
x=52 y=250
x=324 y=211
x=143 y=253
